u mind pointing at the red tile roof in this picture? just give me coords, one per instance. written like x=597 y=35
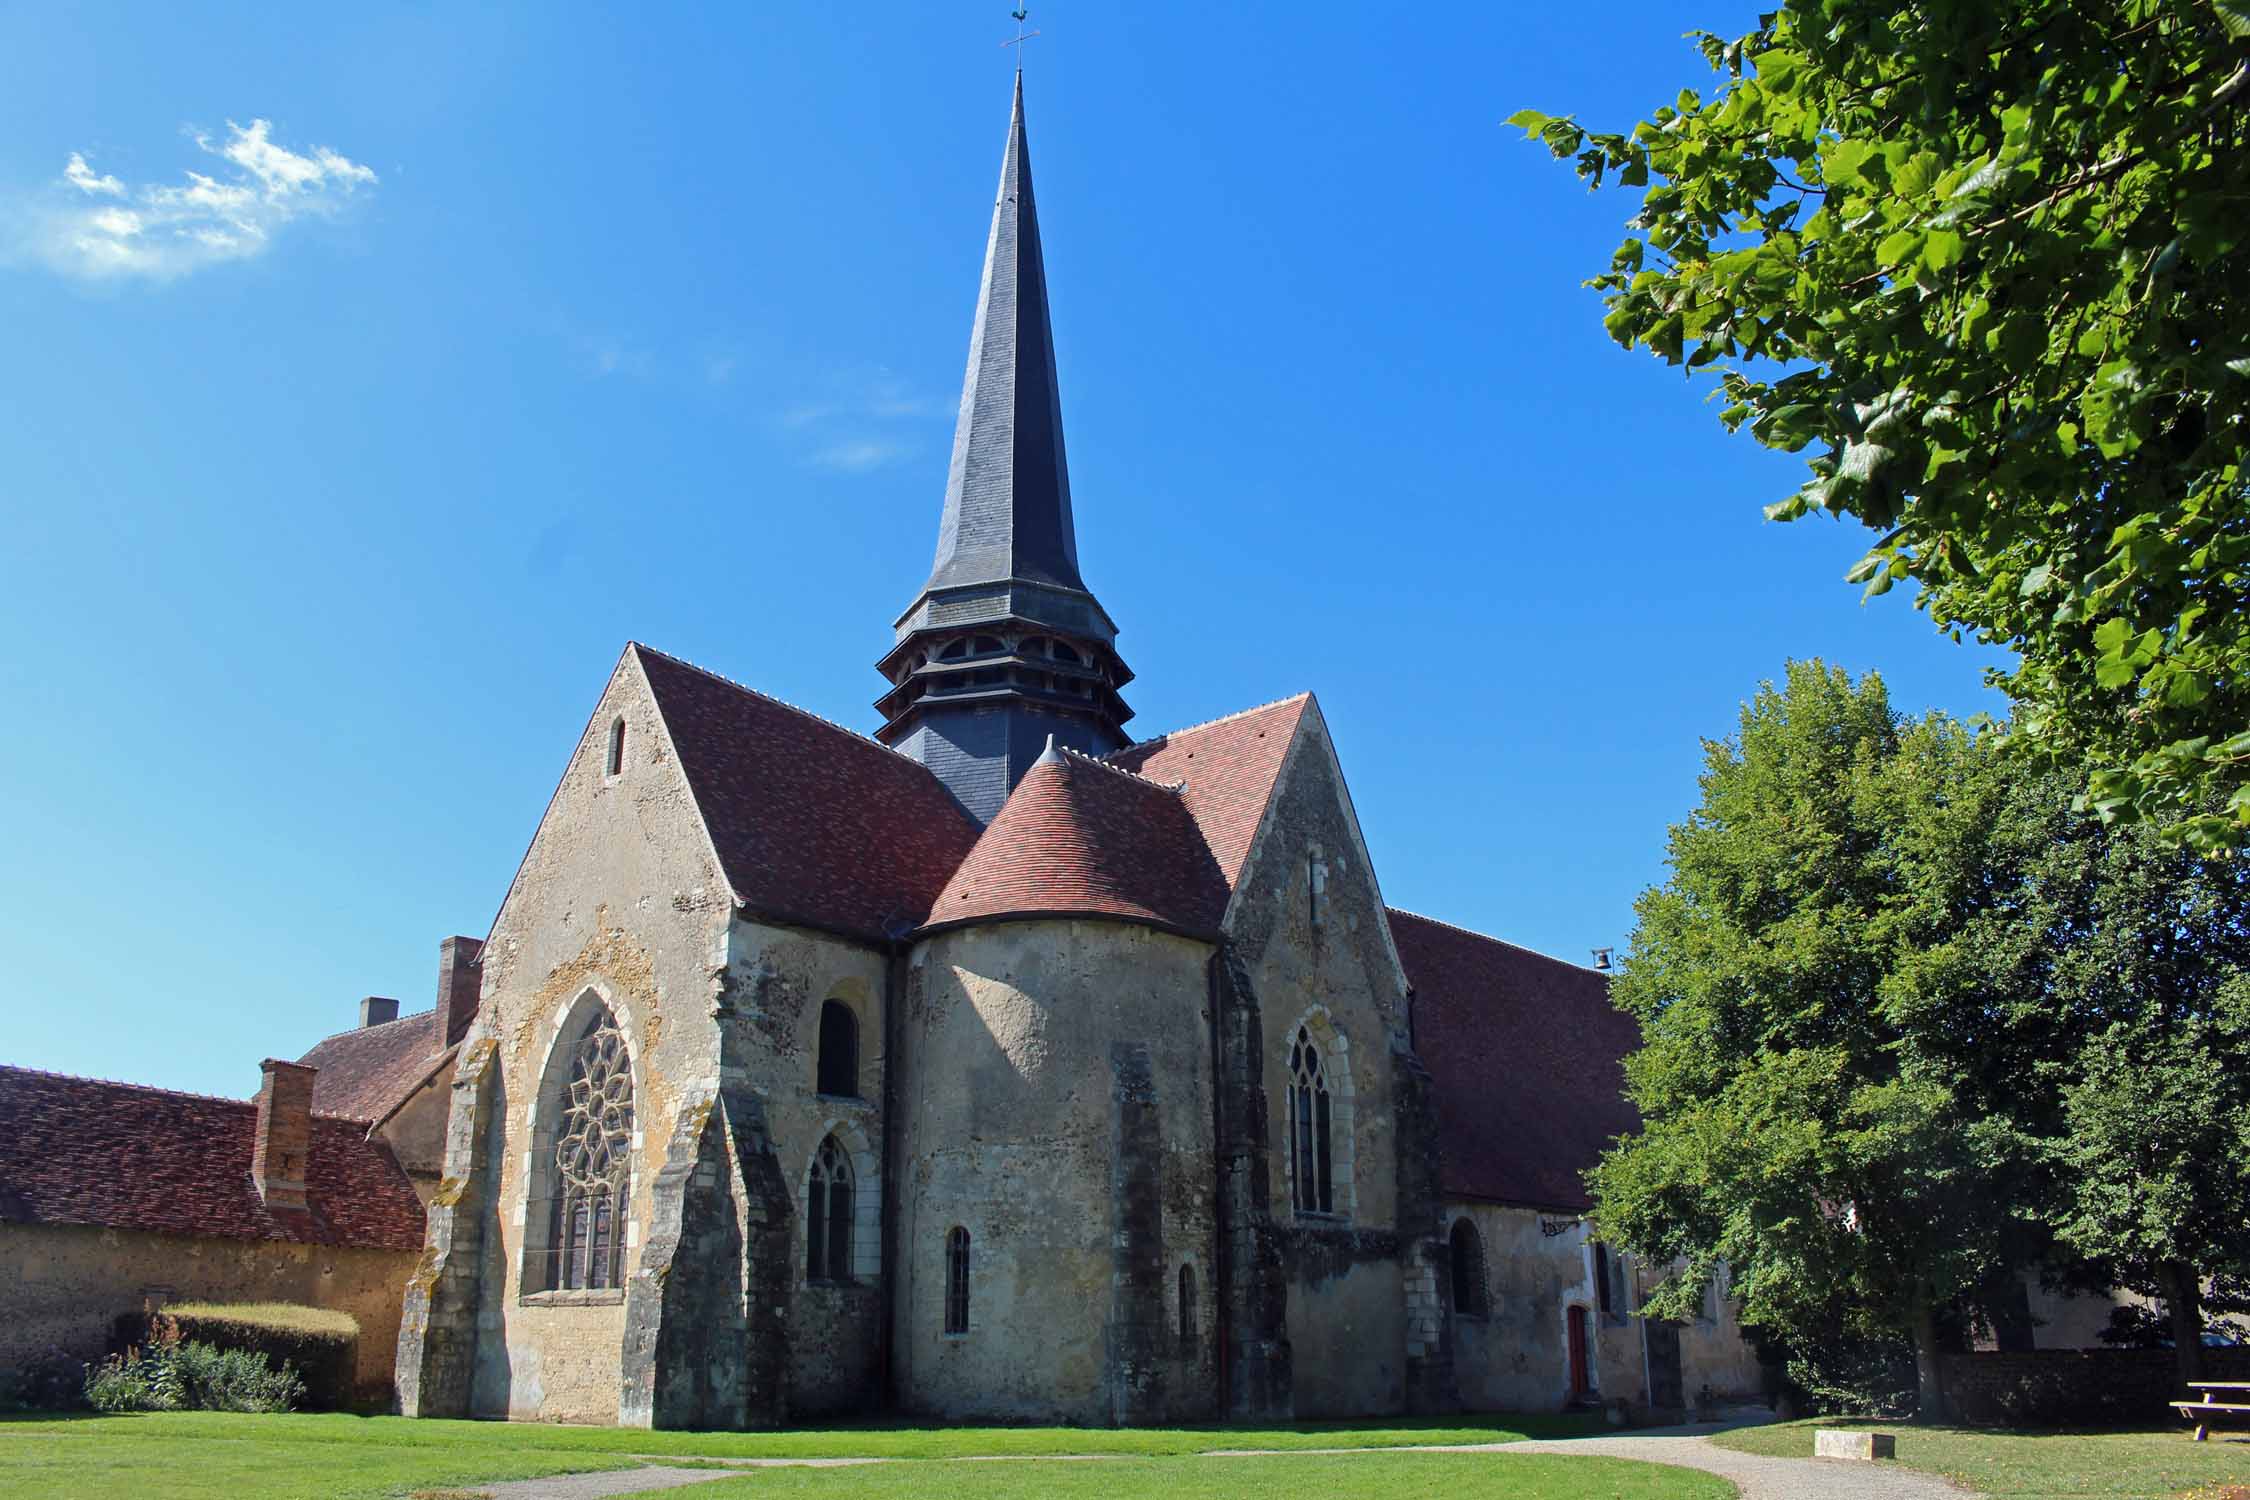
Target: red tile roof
x=813 y=824
x=1081 y=838
x=1524 y=1052
x=119 y=1156
x=368 y=1072
x=1229 y=767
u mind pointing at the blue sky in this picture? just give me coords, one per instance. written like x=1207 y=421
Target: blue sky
x=334 y=483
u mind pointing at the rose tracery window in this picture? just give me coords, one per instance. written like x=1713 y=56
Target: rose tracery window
x=593 y=1161
x=1311 y=1183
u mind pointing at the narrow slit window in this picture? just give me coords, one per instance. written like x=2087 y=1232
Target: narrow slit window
x=838 y=1070
x=957 y=1280
x=617 y=746
x=1187 y=1311
x=1471 y=1298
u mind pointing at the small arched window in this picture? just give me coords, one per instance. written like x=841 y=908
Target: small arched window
x=1187 y=1310
x=1471 y=1297
x=954 y=651
x=828 y=1215
x=593 y=1161
x=1311 y=1182
x=957 y=1280
x=1601 y=1277
x=617 y=745
x=1064 y=653
x=837 y=1072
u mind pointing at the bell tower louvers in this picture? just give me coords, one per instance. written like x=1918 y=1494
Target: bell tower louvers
x=1005 y=644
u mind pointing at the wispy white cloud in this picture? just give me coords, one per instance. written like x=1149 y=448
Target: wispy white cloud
x=860 y=455
x=81 y=177
x=861 y=420
x=91 y=225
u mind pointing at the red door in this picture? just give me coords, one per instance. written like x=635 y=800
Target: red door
x=1578 y=1389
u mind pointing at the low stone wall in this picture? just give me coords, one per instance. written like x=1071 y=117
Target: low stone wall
x=64 y=1287
x=2075 y=1385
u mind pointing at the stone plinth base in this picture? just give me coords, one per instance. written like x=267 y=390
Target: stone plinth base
x=1862 y=1445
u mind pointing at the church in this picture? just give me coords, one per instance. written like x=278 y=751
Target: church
x=1007 y=1064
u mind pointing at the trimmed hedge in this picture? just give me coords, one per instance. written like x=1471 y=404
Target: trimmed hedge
x=321 y=1345
x=2049 y=1387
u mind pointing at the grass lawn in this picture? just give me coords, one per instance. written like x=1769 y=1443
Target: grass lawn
x=220 y=1456
x=2155 y=1462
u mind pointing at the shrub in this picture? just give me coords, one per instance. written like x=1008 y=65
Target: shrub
x=322 y=1345
x=171 y=1375
x=53 y=1381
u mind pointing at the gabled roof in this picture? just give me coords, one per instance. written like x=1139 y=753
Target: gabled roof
x=1227 y=768
x=1007 y=491
x=1525 y=1057
x=813 y=825
x=119 y=1156
x=368 y=1072
x=1081 y=838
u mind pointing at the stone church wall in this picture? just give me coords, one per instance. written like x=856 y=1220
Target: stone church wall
x=65 y=1285
x=1537 y=1267
x=777 y=981
x=1055 y=1103
x=1309 y=929
x=415 y=1132
x=618 y=901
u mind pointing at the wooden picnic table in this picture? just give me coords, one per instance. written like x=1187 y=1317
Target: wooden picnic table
x=2214 y=1403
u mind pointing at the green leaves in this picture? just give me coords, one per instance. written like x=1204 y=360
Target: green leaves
x=2035 y=218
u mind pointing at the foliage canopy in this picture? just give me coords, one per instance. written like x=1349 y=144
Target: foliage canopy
x=1986 y=259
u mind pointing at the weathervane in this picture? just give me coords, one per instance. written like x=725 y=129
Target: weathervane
x=1021 y=35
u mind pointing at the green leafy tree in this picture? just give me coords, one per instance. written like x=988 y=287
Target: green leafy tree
x=1986 y=259
x=1814 y=1112
x=2151 y=1141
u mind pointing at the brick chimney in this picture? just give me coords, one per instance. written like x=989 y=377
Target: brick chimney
x=460 y=979
x=375 y=1010
x=284 y=1133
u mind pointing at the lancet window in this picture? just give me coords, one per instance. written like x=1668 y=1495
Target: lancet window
x=1311 y=1182
x=828 y=1215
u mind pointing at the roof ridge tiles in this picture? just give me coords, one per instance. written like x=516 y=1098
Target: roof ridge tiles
x=1401 y=911
x=1101 y=764
x=420 y=1015
x=1240 y=713
x=865 y=739
x=150 y=1088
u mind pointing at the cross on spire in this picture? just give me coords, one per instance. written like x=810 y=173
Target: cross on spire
x=1022 y=36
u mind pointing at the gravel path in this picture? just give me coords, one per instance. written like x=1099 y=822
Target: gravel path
x=1758 y=1477
x=641 y=1480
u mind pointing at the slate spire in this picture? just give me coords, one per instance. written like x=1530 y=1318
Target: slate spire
x=1007 y=493
x=1005 y=646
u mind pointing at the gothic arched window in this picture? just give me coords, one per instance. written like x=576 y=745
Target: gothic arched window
x=1311 y=1181
x=957 y=1280
x=828 y=1215
x=1187 y=1310
x=593 y=1160
x=1470 y=1295
x=838 y=1069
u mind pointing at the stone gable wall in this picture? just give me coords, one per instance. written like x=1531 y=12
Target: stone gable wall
x=1308 y=931
x=619 y=897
